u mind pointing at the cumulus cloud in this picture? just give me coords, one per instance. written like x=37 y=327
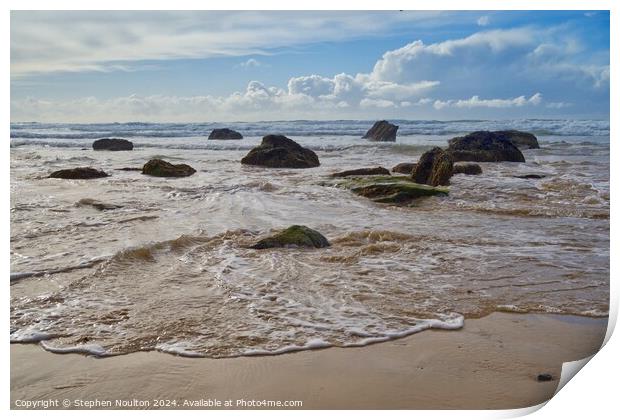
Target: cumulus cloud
x=476 y=102
x=251 y=62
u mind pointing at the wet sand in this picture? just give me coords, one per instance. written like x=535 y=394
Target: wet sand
x=491 y=363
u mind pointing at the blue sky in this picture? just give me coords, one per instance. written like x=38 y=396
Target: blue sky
x=245 y=66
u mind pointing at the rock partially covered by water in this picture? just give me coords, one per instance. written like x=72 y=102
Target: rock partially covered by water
x=521 y=139
x=434 y=168
x=398 y=190
x=112 y=144
x=225 y=134
x=78 y=173
x=294 y=236
x=97 y=204
x=467 y=169
x=277 y=151
x=531 y=176
x=484 y=146
x=379 y=170
x=158 y=167
x=382 y=131
x=404 y=168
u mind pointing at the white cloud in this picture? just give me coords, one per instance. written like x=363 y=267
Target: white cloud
x=251 y=62
x=483 y=20
x=476 y=102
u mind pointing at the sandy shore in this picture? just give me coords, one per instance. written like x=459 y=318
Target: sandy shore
x=491 y=363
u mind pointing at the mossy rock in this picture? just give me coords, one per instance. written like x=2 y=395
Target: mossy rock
x=399 y=190
x=161 y=168
x=294 y=236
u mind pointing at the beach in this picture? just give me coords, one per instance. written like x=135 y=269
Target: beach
x=492 y=363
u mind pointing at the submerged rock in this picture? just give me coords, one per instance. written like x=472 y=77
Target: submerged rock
x=277 y=151
x=78 y=173
x=404 y=168
x=158 y=167
x=112 y=144
x=484 y=146
x=362 y=171
x=294 y=236
x=399 y=190
x=467 y=169
x=382 y=131
x=225 y=134
x=434 y=168
x=531 y=176
x=521 y=139
x=544 y=377
x=97 y=204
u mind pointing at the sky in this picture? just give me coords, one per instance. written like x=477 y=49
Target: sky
x=202 y=66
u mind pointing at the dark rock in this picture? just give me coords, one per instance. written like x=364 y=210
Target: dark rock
x=278 y=151
x=225 y=134
x=97 y=204
x=530 y=176
x=362 y=171
x=382 y=131
x=544 y=377
x=112 y=144
x=78 y=173
x=158 y=167
x=521 y=139
x=434 y=168
x=294 y=236
x=467 y=169
x=404 y=168
x=398 y=190
x=129 y=169
x=484 y=146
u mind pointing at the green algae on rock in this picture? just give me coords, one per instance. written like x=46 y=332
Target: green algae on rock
x=158 y=167
x=294 y=236
x=398 y=190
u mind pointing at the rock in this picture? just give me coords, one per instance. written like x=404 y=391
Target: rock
x=544 y=377
x=129 y=169
x=434 y=168
x=484 y=146
x=97 y=204
x=278 y=151
x=225 y=134
x=404 y=168
x=467 y=169
x=530 y=176
x=294 y=236
x=362 y=171
x=399 y=190
x=521 y=139
x=158 y=167
x=112 y=144
x=78 y=173
x=382 y=131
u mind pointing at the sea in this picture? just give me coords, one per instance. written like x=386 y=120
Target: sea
x=168 y=268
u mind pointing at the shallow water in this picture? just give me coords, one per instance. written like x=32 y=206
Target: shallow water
x=170 y=270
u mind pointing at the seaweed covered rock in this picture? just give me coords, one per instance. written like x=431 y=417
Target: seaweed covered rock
x=382 y=131
x=277 y=151
x=404 y=168
x=78 y=173
x=158 y=167
x=225 y=134
x=398 y=190
x=521 y=139
x=467 y=169
x=434 y=168
x=294 y=236
x=362 y=171
x=484 y=146
x=112 y=144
